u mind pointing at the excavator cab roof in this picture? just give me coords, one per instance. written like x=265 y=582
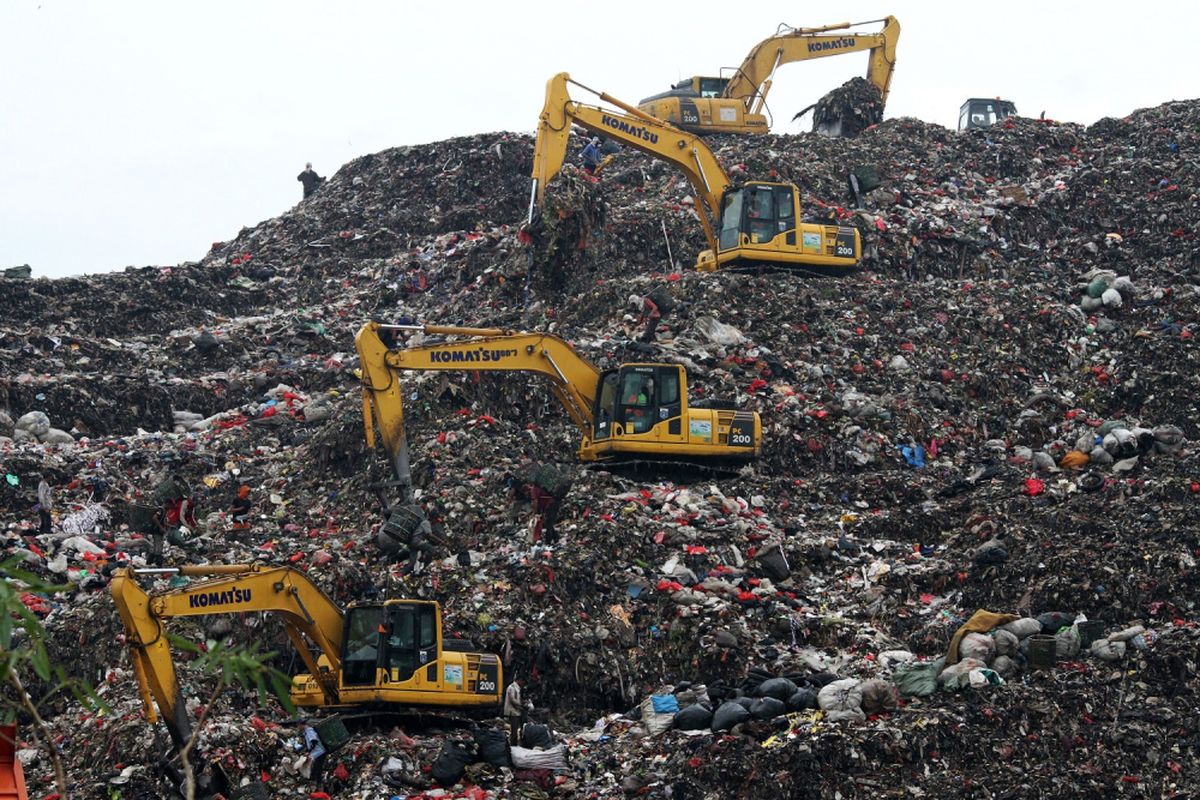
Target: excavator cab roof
x=696 y=86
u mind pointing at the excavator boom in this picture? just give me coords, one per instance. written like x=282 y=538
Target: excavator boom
x=633 y=128
x=804 y=44
x=306 y=611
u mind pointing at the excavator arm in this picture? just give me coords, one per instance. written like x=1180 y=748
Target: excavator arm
x=308 y=615
x=634 y=128
x=573 y=378
x=752 y=80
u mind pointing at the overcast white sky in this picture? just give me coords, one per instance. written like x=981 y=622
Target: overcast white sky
x=138 y=132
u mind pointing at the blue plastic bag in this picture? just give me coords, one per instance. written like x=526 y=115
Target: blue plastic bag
x=915 y=456
x=665 y=703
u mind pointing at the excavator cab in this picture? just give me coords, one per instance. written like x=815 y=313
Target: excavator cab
x=758 y=225
x=387 y=643
x=642 y=409
x=636 y=398
x=698 y=104
x=982 y=112
x=393 y=652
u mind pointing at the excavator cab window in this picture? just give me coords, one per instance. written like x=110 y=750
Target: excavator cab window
x=770 y=211
x=411 y=639
x=638 y=399
x=606 y=405
x=668 y=383
x=760 y=216
x=670 y=403
x=982 y=113
x=364 y=632
x=785 y=208
x=649 y=395
x=712 y=87
x=731 y=220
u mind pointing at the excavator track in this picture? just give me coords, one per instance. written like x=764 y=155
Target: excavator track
x=702 y=470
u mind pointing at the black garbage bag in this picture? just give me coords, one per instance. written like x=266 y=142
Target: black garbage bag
x=822 y=679
x=1053 y=620
x=774 y=563
x=802 y=699
x=693 y=718
x=720 y=691
x=535 y=735
x=728 y=715
x=744 y=702
x=779 y=688
x=768 y=708
x=451 y=763
x=493 y=747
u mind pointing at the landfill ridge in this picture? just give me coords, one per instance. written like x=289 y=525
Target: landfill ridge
x=998 y=412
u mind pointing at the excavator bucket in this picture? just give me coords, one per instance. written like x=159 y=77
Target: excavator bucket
x=12 y=778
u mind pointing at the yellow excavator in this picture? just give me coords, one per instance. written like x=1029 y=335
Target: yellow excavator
x=755 y=224
x=636 y=412
x=391 y=652
x=736 y=104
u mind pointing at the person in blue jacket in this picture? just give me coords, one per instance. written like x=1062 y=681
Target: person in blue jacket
x=591 y=156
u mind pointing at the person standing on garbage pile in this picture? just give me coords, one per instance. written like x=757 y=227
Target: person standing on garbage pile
x=179 y=516
x=651 y=315
x=515 y=708
x=310 y=180
x=544 y=487
x=45 y=503
x=316 y=752
x=591 y=156
x=240 y=510
x=546 y=504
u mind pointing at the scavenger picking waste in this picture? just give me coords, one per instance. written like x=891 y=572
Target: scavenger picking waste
x=998 y=413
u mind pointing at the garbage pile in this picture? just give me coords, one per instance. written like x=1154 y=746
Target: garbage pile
x=999 y=413
x=849 y=109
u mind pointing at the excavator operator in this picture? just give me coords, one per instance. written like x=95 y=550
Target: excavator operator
x=638 y=396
